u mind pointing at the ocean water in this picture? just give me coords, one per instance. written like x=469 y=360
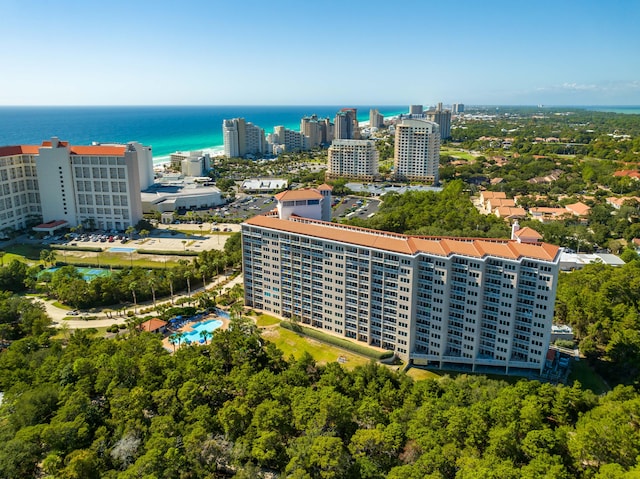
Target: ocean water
x=166 y=128
x=626 y=110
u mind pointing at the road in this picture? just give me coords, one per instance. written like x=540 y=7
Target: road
x=58 y=314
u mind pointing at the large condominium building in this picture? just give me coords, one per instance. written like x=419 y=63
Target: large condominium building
x=242 y=138
x=457 y=108
x=442 y=118
x=478 y=304
x=97 y=185
x=311 y=128
x=346 y=125
x=416 y=109
x=282 y=139
x=376 y=120
x=417 y=150
x=20 y=205
x=353 y=159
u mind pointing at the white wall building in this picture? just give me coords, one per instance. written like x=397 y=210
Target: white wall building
x=417 y=150
x=352 y=159
x=96 y=185
x=242 y=138
x=19 y=192
x=476 y=304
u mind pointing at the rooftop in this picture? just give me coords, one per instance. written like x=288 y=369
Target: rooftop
x=405 y=244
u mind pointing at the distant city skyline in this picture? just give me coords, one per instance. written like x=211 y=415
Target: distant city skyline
x=218 y=53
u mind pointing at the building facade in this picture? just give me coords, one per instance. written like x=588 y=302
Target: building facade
x=283 y=139
x=20 y=205
x=242 y=138
x=346 y=125
x=376 y=119
x=352 y=159
x=473 y=304
x=417 y=150
x=442 y=118
x=97 y=185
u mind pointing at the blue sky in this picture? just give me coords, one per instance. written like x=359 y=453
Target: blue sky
x=280 y=52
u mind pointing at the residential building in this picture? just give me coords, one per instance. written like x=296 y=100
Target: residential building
x=442 y=118
x=190 y=163
x=242 y=138
x=282 y=139
x=346 y=125
x=483 y=305
x=352 y=159
x=20 y=205
x=376 y=119
x=96 y=185
x=457 y=108
x=417 y=150
x=416 y=110
x=311 y=128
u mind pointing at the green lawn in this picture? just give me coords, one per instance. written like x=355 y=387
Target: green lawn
x=588 y=378
x=419 y=374
x=292 y=344
x=265 y=320
x=465 y=155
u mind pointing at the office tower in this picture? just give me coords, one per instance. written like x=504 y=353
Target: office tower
x=353 y=159
x=458 y=108
x=417 y=150
x=311 y=128
x=346 y=125
x=442 y=118
x=242 y=138
x=376 y=120
x=466 y=303
x=416 y=110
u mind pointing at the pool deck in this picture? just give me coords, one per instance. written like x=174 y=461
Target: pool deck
x=187 y=328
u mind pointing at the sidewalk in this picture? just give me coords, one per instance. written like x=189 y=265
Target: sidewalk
x=58 y=314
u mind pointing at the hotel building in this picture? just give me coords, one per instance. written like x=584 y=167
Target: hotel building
x=467 y=303
x=417 y=150
x=376 y=119
x=98 y=184
x=442 y=118
x=352 y=159
x=346 y=125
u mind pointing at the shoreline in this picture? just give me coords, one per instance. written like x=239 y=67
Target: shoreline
x=218 y=150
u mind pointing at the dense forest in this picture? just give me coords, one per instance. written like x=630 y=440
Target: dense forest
x=235 y=408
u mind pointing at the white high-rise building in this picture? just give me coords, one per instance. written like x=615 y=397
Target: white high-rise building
x=97 y=185
x=417 y=150
x=353 y=159
x=242 y=138
x=484 y=305
x=283 y=139
x=376 y=120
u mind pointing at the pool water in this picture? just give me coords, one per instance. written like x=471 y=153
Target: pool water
x=121 y=249
x=210 y=326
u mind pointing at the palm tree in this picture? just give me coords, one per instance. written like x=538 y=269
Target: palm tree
x=203 y=272
x=129 y=231
x=173 y=340
x=170 y=277
x=152 y=281
x=132 y=287
x=205 y=334
x=236 y=310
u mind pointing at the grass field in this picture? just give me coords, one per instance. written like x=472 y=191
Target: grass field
x=420 y=374
x=31 y=254
x=465 y=155
x=588 y=378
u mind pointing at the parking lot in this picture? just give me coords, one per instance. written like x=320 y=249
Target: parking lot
x=354 y=206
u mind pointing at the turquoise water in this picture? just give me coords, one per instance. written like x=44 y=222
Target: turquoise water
x=626 y=110
x=121 y=249
x=166 y=128
x=88 y=274
x=210 y=326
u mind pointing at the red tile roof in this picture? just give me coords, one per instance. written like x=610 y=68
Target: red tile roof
x=152 y=325
x=18 y=150
x=298 y=195
x=399 y=243
x=98 y=150
x=51 y=224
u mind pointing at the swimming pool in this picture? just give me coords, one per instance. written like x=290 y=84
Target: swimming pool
x=210 y=326
x=121 y=249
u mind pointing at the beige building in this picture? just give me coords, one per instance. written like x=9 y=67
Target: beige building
x=483 y=305
x=19 y=192
x=352 y=159
x=442 y=118
x=242 y=138
x=376 y=119
x=417 y=150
